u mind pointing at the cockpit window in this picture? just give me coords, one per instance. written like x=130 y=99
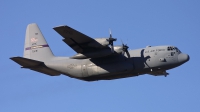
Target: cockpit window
x=177 y=50
x=171 y=48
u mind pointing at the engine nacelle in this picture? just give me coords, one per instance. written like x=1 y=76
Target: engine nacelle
x=99 y=53
x=94 y=54
x=101 y=42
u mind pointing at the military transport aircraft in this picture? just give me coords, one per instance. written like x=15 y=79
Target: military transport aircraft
x=96 y=59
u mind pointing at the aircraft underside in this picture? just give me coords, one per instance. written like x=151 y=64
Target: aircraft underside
x=107 y=77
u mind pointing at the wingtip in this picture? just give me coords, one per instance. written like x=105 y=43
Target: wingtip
x=13 y=58
x=60 y=26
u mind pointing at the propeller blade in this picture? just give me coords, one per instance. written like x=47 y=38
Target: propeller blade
x=122 y=42
x=127 y=53
x=125 y=49
x=112 y=48
x=123 y=52
x=110 y=33
x=110 y=40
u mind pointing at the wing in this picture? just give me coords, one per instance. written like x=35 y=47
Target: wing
x=78 y=41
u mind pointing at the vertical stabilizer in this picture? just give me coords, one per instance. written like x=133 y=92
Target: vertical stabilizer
x=36 y=47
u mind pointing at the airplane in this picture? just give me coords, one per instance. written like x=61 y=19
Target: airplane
x=96 y=59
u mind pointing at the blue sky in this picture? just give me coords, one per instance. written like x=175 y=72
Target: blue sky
x=138 y=23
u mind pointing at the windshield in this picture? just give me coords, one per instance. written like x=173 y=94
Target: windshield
x=177 y=50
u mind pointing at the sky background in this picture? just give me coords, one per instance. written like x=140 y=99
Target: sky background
x=137 y=22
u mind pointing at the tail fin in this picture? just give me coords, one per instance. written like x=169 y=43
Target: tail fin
x=36 y=47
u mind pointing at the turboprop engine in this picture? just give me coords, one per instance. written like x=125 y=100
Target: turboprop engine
x=104 y=52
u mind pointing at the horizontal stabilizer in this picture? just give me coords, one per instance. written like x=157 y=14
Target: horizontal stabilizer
x=35 y=65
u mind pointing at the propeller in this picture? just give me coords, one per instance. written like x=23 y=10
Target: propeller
x=111 y=40
x=125 y=49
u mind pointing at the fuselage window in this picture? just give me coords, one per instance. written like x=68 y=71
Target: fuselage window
x=172 y=54
x=168 y=48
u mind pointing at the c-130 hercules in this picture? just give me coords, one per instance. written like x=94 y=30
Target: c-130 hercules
x=96 y=59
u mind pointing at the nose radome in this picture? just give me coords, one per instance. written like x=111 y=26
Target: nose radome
x=182 y=58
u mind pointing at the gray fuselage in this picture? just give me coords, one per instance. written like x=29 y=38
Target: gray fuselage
x=150 y=60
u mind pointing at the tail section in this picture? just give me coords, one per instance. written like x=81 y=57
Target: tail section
x=36 y=47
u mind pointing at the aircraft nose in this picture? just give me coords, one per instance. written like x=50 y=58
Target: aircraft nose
x=182 y=58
